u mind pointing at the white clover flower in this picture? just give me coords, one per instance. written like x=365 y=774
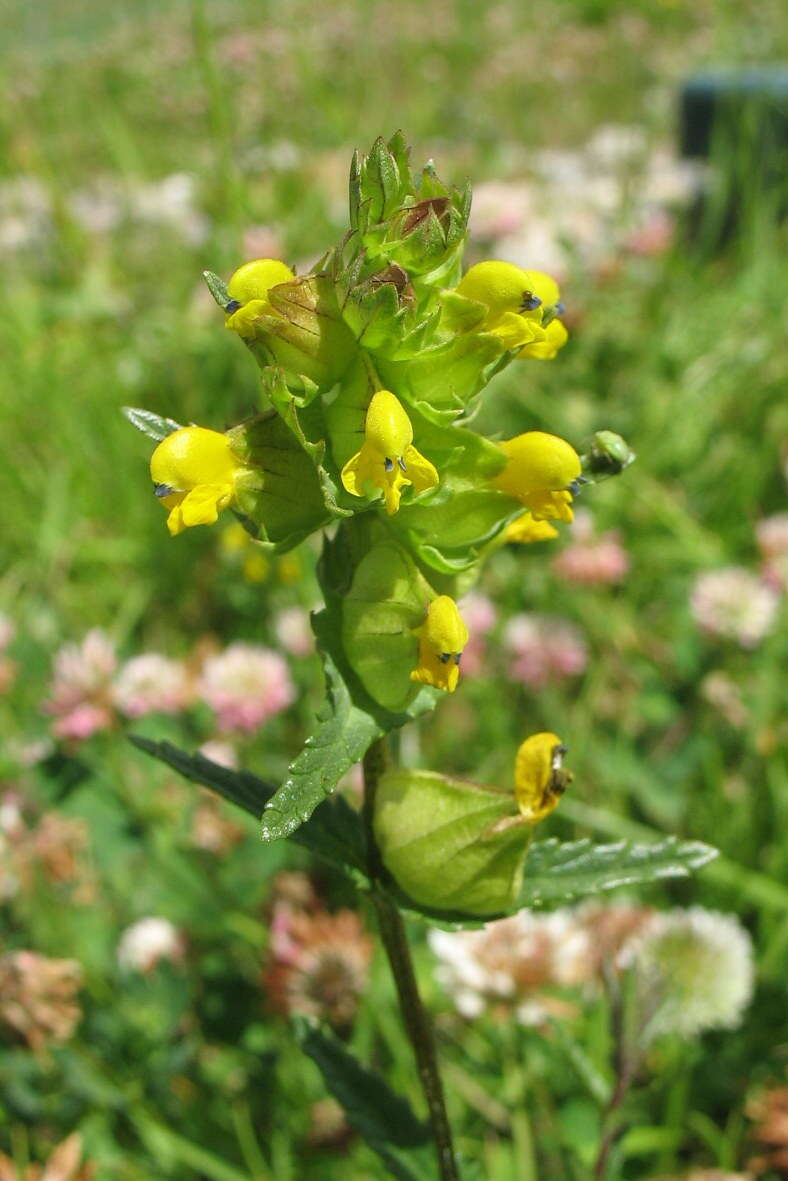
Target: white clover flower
x=146 y=942
x=151 y=683
x=734 y=603
x=695 y=970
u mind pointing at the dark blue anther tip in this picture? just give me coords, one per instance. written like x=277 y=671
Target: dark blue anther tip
x=388 y=464
x=232 y=306
x=530 y=301
x=444 y=657
x=162 y=490
x=560 y=308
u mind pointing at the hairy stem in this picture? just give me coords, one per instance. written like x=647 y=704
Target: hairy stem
x=395 y=941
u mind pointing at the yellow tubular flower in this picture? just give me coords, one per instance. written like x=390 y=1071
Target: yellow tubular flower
x=387 y=457
x=555 y=333
x=248 y=290
x=515 y=306
x=542 y=474
x=194 y=473
x=442 y=637
x=526 y=529
x=539 y=778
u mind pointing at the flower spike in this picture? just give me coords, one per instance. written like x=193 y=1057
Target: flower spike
x=194 y=473
x=539 y=777
x=442 y=637
x=387 y=457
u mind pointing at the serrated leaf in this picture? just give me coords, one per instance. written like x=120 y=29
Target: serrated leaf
x=152 y=425
x=384 y=1119
x=334 y=832
x=558 y=871
x=217 y=288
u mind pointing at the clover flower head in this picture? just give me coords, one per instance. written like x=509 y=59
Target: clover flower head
x=542 y=473
x=509 y=966
x=318 y=963
x=733 y=603
x=245 y=685
x=694 y=969
x=80 y=695
x=442 y=638
x=539 y=777
x=590 y=559
x=151 y=683
x=148 y=941
x=194 y=472
x=38 y=997
x=387 y=459
x=544 y=649
x=248 y=291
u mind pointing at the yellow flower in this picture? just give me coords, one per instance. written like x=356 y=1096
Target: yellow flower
x=526 y=529
x=514 y=306
x=442 y=637
x=555 y=333
x=248 y=290
x=387 y=457
x=542 y=473
x=539 y=780
x=194 y=472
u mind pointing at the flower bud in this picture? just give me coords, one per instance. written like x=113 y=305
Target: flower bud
x=457 y=846
x=248 y=291
x=608 y=455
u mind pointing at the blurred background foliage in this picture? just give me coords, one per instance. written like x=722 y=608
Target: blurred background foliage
x=143 y=143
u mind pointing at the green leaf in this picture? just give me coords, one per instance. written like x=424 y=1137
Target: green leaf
x=559 y=870
x=334 y=832
x=217 y=288
x=152 y=425
x=384 y=1119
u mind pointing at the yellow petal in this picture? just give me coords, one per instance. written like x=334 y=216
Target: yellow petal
x=550 y=506
x=442 y=637
x=538 y=462
x=192 y=456
x=387 y=428
x=359 y=470
x=515 y=330
x=555 y=338
x=255 y=279
x=527 y=528
x=423 y=474
x=244 y=319
x=539 y=779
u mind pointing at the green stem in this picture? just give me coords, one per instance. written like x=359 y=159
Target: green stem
x=395 y=942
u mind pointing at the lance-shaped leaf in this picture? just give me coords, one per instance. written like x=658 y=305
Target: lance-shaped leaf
x=384 y=1119
x=217 y=288
x=334 y=832
x=152 y=425
x=556 y=872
